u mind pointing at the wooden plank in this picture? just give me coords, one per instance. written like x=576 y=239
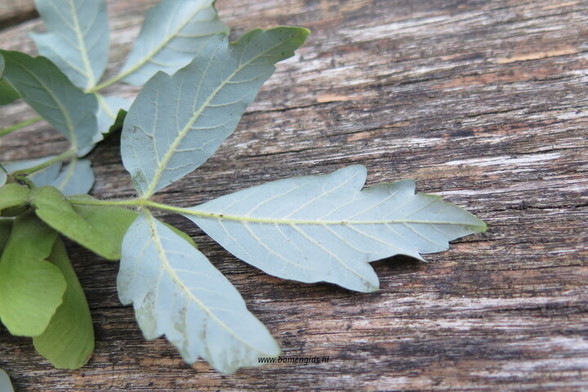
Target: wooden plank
x=15 y=11
x=483 y=103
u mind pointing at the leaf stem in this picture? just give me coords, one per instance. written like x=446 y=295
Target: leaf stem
x=145 y=203
x=58 y=158
x=105 y=84
x=20 y=125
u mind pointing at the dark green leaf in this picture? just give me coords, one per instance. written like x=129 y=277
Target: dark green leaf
x=7 y=93
x=68 y=340
x=5 y=228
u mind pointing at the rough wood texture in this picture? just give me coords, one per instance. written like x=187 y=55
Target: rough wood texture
x=482 y=102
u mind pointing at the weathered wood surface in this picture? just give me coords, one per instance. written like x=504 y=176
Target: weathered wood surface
x=482 y=102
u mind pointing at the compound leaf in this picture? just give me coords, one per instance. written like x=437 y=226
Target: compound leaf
x=173 y=32
x=326 y=228
x=5 y=384
x=68 y=340
x=77 y=39
x=98 y=228
x=176 y=123
x=31 y=288
x=177 y=292
x=47 y=90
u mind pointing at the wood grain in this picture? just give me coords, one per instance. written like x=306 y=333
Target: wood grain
x=482 y=102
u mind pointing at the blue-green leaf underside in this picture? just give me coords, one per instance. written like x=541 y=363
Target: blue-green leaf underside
x=176 y=292
x=5 y=384
x=326 y=228
x=173 y=32
x=109 y=114
x=77 y=39
x=47 y=90
x=176 y=123
x=75 y=177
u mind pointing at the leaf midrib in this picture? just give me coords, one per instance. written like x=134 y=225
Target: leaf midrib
x=83 y=50
x=170 y=152
x=65 y=113
x=166 y=265
x=278 y=221
x=158 y=48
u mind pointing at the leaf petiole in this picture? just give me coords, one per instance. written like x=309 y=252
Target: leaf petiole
x=137 y=202
x=20 y=125
x=58 y=158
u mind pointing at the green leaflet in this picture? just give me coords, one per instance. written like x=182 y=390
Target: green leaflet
x=5 y=384
x=177 y=292
x=5 y=227
x=7 y=93
x=176 y=123
x=13 y=195
x=173 y=32
x=90 y=208
x=47 y=90
x=31 y=289
x=68 y=340
x=77 y=39
x=99 y=229
x=326 y=228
